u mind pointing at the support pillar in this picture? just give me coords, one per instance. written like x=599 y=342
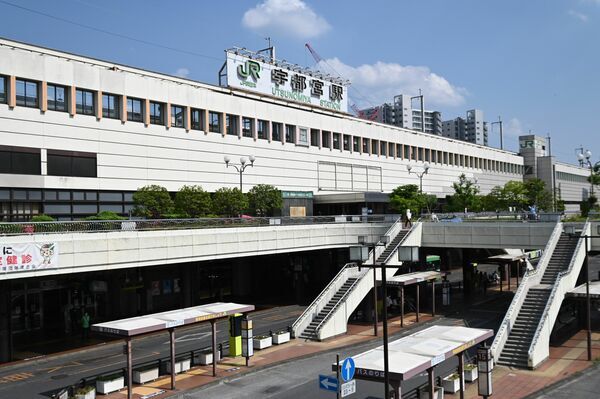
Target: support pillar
x=375 y=295
x=172 y=342
x=431 y=382
x=433 y=298
x=129 y=368
x=213 y=327
x=397 y=389
x=461 y=372
x=417 y=300
x=507 y=272
x=401 y=306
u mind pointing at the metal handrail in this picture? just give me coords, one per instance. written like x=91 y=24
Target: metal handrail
x=385 y=261
x=102 y=226
x=555 y=287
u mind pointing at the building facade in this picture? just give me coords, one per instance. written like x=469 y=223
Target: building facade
x=472 y=128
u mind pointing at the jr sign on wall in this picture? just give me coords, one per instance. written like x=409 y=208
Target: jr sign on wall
x=276 y=79
x=30 y=256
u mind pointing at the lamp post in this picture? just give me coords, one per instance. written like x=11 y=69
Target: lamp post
x=383 y=241
x=419 y=174
x=242 y=166
x=584 y=159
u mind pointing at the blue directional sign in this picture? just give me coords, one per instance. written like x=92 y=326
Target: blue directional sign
x=328 y=383
x=348 y=369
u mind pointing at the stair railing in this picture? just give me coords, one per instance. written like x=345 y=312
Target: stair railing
x=565 y=281
x=532 y=277
x=408 y=233
x=334 y=308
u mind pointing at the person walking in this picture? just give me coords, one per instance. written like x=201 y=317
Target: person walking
x=85 y=325
x=408 y=219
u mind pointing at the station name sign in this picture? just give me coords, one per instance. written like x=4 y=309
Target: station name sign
x=276 y=80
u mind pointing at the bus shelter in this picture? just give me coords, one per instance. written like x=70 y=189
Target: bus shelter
x=419 y=352
x=141 y=325
x=505 y=261
x=417 y=278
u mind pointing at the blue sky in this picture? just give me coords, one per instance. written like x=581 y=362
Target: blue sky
x=536 y=63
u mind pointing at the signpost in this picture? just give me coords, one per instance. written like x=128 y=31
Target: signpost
x=328 y=383
x=484 y=369
x=348 y=369
x=348 y=388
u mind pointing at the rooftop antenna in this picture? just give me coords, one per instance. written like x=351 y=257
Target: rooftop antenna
x=270 y=49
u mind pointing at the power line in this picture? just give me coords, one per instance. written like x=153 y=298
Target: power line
x=106 y=32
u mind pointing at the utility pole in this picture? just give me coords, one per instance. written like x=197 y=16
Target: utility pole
x=499 y=122
x=421 y=99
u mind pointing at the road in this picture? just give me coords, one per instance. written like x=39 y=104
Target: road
x=39 y=378
x=582 y=386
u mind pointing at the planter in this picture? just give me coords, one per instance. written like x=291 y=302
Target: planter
x=281 y=338
x=471 y=373
x=262 y=342
x=109 y=386
x=180 y=366
x=451 y=383
x=145 y=375
x=206 y=358
x=91 y=394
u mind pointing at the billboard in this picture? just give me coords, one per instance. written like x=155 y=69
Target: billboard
x=249 y=71
x=29 y=256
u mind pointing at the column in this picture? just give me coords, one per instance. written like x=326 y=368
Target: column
x=417 y=300
x=129 y=368
x=433 y=298
x=461 y=371
x=99 y=105
x=167 y=115
x=73 y=101
x=146 y=112
x=172 y=344
x=187 y=119
x=12 y=91
x=213 y=326
x=401 y=306
x=44 y=97
x=431 y=382
x=205 y=120
x=223 y=124
x=123 y=109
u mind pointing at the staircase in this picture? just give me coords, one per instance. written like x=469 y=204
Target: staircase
x=516 y=349
x=391 y=247
x=311 y=331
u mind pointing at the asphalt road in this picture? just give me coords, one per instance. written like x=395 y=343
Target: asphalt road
x=39 y=378
x=585 y=385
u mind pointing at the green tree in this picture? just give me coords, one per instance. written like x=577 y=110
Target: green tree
x=152 y=201
x=465 y=195
x=42 y=218
x=514 y=194
x=536 y=194
x=264 y=199
x=193 y=201
x=407 y=197
x=106 y=215
x=494 y=201
x=229 y=202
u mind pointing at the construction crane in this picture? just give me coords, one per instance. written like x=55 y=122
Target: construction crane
x=357 y=111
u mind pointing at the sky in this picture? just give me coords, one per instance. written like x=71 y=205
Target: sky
x=534 y=63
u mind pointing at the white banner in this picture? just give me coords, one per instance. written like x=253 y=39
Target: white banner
x=30 y=256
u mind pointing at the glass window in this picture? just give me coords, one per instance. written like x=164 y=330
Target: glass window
x=50 y=195
x=24 y=162
x=128 y=197
x=232 y=124
x=356 y=144
x=383 y=148
x=64 y=195
x=78 y=196
x=375 y=147
x=134 y=110
x=91 y=196
x=434 y=156
x=399 y=153
x=346 y=142
x=302 y=138
x=35 y=195
x=314 y=137
x=5 y=194
x=247 y=127
x=3 y=95
x=111 y=208
x=197 y=116
x=325 y=139
x=176 y=116
x=61 y=164
x=27 y=93
x=53 y=209
x=57 y=98
x=111 y=197
x=413 y=153
x=156 y=113
x=84 y=102
x=391 y=149
x=365 y=145
x=262 y=129
x=19 y=195
x=214 y=122
x=427 y=152
x=336 y=141
x=276 y=131
x=79 y=209
x=290 y=133
x=110 y=106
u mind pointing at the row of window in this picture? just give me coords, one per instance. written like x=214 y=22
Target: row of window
x=571 y=177
x=265 y=130
x=27 y=161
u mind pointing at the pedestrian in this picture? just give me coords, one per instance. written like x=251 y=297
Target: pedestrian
x=85 y=325
x=408 y=218
x=434 y=218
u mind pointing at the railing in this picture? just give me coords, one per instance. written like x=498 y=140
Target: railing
x=341 y=300
x=101 y=226
x=493 y=217
x=532 y=277
x=564 y=282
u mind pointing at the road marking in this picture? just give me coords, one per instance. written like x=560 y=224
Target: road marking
x=15 y=377
x=64 y=366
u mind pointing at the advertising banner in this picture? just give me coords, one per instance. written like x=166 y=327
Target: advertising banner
x=29 y=256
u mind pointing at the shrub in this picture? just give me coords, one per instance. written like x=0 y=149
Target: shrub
x=193 y=201
x=42 y=218
x=229 y=202
x=106 y=215
x=152 y=201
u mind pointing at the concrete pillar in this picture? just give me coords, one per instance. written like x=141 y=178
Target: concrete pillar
x=146 y=112
x=223 y=125
x=123 y=109
x=12 y=91
x=168 y=115
x=44 y=97
x=205 y=119
x=99 y=105
x=187 y=119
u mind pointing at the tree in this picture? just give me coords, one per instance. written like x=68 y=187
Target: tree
x=514 y=194
x=537 y=195
x=494 y=201
x=229 y=202
x=465 y=195
x=193 y=201
x=152 y=201
x=106 y=215
x=264 y=199
x=407 y=197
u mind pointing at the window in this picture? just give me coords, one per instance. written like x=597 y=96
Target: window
x=375 y=147
x=290 y=134
x=434 y=156
x=413 y=153
x=346 y=142
x=365 y=145
x=197 y=116
x=27 y=93
x=421 y=151
x=406 y=152
x=336 y=141
x=247 y=127
x=325 y=139
x=84 y=103
x=110 y=106
x=427 y=152
x=156 y=113
x=57 y=99
x=314 y=137
x=262 y=129
x=134 y=110
x=383 y=148
x=445 y=156
x=355 y=144
x=391 y=149
x=302 y=136
x=276 y=131
x=20 y=160
x=3 y=96
x=176 y=116
x=67 y=163
x=214 y=122
x=232 y=123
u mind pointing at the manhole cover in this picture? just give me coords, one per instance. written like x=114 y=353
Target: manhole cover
x=59 y=376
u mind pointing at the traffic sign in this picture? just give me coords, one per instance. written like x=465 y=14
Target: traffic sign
x=348 y=388
x=348 y=369
x=328 y=383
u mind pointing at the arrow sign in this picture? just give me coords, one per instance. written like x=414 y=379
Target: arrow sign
x=348 y=369
x=328 y=383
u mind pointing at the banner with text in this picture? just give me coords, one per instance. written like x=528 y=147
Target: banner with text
x=30 y=256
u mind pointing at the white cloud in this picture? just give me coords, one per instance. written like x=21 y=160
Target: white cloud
x=579 y=16
x=381 y=81
x=514 y=128
x=182 y=72
x=285 y=17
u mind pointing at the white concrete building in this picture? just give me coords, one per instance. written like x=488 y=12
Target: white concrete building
x=472 y=128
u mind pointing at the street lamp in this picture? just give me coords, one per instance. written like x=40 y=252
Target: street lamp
x=419 y=174
x=242 y=166
x=584 y=159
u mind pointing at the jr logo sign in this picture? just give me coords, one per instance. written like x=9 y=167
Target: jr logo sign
x=250 y=68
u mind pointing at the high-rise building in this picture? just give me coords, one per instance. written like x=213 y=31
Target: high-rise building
x=402 y=114
x=472 y=128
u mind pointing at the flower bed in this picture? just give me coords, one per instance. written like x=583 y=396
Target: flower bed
x=451 y=383
x=145 y=374
x=281 y=337
x=262 y=341
x=110 y=383
x=471 y=373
